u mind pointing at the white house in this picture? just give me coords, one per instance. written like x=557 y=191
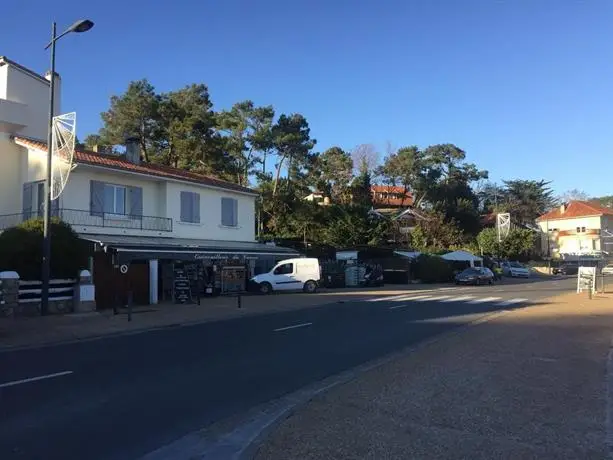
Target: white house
x=142 y=215
x=577 y=228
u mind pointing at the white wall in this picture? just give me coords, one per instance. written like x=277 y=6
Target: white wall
x=11 y=166
x=210 y=214
x=574 y=242
x=4 y=71
x=21 y=87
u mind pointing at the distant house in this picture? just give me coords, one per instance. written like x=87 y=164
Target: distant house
x=577 y=228
x=318 y=197
x=390 y=196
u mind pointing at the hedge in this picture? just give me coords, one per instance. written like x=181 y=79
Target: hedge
x=21 y=250
x=432 y=269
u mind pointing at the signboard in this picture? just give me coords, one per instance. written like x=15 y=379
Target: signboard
x=233 y=279
x=181 y=286
x=586 y=279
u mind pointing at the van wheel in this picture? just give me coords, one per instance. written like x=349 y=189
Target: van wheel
x=265 y=288
x=310 y=287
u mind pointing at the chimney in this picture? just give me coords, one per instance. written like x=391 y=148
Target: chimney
x=563 y=208
x=102 y=149
x=133 y=150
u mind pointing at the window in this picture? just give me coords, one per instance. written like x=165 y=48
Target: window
x=229 y=212
x=114 y=199
x=583 y=229
x=285 y=269
x=190 y=207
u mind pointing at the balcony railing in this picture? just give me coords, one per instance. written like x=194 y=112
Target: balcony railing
x=77 y=217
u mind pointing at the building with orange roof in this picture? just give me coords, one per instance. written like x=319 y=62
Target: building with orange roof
x=577 y=228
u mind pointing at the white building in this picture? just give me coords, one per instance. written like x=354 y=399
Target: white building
x=577 y=228
x=147 y=216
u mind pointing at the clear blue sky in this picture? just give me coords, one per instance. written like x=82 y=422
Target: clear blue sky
x=524 y=86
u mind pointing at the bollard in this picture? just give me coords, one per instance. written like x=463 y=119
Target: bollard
x=239 y=301
x=129 y=305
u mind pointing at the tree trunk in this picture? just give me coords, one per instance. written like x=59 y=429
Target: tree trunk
x=278 y=174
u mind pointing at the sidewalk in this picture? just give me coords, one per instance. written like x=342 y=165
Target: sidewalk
x=529 y=384
x=32 y=331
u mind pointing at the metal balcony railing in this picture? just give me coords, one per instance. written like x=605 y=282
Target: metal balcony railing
x=77 y=217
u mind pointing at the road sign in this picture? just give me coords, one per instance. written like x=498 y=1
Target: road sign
x=123 y=269
x=586 y=279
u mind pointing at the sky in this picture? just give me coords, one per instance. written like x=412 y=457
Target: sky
x=525 y=87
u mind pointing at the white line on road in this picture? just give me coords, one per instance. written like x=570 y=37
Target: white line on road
x=485 y=299
x=34 y=379
x=459 y=299
x=400 y=306
x=511 y=302
x=436 y=297
x=420 y=298
x=390 y=298
x=295 y=326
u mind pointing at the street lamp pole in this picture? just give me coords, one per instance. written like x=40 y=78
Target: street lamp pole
x=80 y=26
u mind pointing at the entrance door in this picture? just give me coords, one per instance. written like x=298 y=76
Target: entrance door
x=284 y=278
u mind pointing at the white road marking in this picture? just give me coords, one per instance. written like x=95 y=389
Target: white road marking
x=388 y=298
x=295 y=326
x=485 y=299
x=420 y=298
x=400 y=306
x=34 y=379
x=511 y=302
x=459 y=299
x=436 y=297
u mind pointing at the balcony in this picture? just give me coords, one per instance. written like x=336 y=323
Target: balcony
x=80 y=218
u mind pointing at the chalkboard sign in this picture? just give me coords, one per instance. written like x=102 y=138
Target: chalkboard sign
x=181 y=285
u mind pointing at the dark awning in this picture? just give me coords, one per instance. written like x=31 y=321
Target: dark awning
x=130 y=248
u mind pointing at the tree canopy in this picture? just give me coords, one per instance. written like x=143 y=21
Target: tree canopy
x=253 y=145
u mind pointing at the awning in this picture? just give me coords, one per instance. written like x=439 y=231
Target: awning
x=130 y=248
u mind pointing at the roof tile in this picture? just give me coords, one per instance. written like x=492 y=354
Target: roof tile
x=576 y=209
x=121 y=164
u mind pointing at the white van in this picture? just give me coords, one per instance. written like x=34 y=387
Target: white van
x=290 y=275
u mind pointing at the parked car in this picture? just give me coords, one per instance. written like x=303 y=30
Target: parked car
x=476 y=276
x=607 y=270
x=566 y=269
x=515 y=269
x=290 y=275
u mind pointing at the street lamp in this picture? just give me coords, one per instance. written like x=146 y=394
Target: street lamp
x=82 y=25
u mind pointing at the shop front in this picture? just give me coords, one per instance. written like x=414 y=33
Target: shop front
x=151 y=270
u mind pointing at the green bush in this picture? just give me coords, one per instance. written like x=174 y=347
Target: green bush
x=432 y=269
x=21 y=250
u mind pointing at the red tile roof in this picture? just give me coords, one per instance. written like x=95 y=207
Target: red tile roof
x=399 y=197
x=576 y=209
x=119 y=163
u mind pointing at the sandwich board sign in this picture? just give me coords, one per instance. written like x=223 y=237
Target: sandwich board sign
x=586 y=279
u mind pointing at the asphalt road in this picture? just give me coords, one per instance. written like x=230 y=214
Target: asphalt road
x=122 y=397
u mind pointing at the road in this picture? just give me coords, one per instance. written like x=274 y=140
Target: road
x=122 y=397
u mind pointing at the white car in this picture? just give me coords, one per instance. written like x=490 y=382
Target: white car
x=290 y=275
x=515 y=269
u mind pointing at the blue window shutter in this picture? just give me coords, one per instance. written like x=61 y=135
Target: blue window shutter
x=226 y=210
x=27 y=201
x=235 y=213
x=96 y=198
x=196 y=208
x=186 y=207
x=136 y=202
